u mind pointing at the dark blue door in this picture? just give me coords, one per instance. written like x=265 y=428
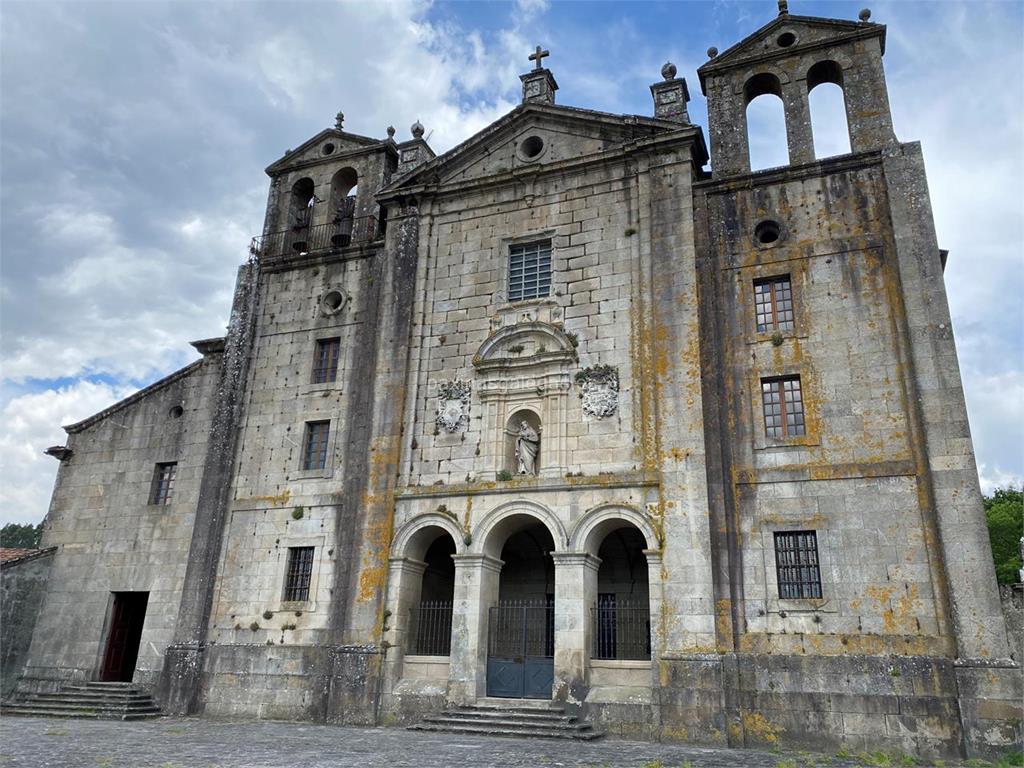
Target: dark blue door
x=521 y=649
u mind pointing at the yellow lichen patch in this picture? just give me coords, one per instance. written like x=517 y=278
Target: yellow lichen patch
x=759 y=727
x=723 y=620
x=674 y=733
x=677 y=454
x=275 y=501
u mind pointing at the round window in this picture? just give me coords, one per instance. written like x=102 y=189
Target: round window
x=786 y=39
x=332 y=302
x=767 y=232
x=328 y=149
x=176 y=412
x=531 y=147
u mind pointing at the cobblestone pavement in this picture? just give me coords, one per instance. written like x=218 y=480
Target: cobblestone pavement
x=192 y=743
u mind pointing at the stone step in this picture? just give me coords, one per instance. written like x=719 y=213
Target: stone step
x=92 y=696
x=509 y=714
x=504 y=723
x=27 y=710
x=585 y=733
x=79 y=706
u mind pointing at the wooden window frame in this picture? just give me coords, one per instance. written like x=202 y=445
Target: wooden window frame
x=313 y=447
x=786 y=408
x=777 y=319
x=326 y=356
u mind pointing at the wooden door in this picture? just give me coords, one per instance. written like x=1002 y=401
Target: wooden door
x=126 y=621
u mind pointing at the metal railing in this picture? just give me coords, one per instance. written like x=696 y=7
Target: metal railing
x=320 y=237
x=521 y=628
x=430 y=628
x=622 y=629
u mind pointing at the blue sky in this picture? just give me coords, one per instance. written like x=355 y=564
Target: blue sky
x=133 y=137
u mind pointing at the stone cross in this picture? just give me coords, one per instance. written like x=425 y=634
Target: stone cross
x=537 y=55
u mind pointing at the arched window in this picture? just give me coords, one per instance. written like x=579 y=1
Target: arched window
x=766 y=122
x=828 y=109
x=430 y=625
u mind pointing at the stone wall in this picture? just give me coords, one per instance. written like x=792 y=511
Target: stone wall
x=109 y=538
x=1012 y=598
x=23 y=585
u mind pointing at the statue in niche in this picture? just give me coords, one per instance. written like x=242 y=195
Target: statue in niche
x=527 y=448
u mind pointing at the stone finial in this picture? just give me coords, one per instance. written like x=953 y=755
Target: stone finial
x=417 y=130
x=783 y=7
x=391 y=131
x=712 y=52
x=668 y=71
x=339 y=120
x=865 y=14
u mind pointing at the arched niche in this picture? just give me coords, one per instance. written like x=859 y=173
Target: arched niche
x=521 y=424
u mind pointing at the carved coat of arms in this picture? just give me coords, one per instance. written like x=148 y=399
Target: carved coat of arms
x=453 y=405
x=599 y=389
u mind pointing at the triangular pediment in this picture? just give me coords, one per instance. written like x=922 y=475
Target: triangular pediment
x=534 y=136
x=326 y=144
x=786 y=34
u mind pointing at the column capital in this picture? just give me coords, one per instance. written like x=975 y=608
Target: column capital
x=478 y=560
x=407 y=564
x=565 y=559
x=653 y=556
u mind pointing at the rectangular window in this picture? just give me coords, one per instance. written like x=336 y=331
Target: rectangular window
x=314 y=453
x=773 y=303
x=325 y=364
x=796 y=565
x=300 y=570
x=529 y=270
x=783 y=407
x=163 y=483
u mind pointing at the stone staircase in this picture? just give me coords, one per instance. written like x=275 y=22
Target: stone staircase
x=510 y=719
x=102 y=701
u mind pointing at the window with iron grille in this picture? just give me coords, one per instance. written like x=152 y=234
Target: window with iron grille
x=314 y=453
x=163 y=483
x=325 y=365
x=529 y=270
x=773 y=303
x=796 y=564
x=783 y=407
x=300 y=571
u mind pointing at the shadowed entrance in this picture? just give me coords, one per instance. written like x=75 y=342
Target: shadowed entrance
x=521 y=627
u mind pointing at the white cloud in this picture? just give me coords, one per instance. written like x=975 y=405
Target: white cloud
x=32 y=423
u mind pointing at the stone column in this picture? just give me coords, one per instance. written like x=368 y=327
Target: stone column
x=405 y=583
x=575 y=593
x=799 y=135
x=476 y=590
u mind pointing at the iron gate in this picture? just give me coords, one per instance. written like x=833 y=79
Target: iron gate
x=521 y=649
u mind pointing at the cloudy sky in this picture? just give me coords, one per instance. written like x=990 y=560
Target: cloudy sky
x=133 y=137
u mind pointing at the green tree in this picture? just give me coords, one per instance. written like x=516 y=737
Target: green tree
x=1004 y=513
x=25 y=536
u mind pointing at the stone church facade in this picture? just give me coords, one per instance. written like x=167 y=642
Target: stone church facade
x=559 y=414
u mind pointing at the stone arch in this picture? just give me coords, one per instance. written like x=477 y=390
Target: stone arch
x=766 y=128
x=828 y=109
x=302 y=194
x=530 y=335
x=501 y=522
x=413 y=538
x=589 y=531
